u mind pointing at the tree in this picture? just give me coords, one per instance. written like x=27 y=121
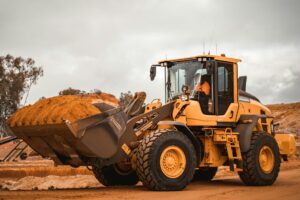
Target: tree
x=125 y=98
x=96 y=91
x=17 y=75
x=71 y=91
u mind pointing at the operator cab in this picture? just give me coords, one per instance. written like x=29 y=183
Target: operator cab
x=210 y=79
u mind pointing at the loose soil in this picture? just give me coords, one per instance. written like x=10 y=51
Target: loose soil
x=287 y=115
x=223 y=186
x=55 y=110
x=43 y=175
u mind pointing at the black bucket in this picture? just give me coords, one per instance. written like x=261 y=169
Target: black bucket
x=101 y=133
x=97 y=136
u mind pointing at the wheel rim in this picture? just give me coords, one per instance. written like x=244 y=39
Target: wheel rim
x=266 y=159
x=172 y=162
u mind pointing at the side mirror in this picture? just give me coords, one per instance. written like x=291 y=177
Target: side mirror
x=242 y=81
x=152 y=72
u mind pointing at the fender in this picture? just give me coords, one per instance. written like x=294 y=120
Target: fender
x=185 y=130
x=245 y=127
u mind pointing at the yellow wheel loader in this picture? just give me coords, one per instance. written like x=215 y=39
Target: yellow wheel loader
x=208 y=120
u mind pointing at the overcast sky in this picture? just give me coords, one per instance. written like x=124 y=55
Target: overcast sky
x=110 y=45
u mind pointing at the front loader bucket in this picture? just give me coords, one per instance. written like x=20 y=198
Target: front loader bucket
x=80 y=142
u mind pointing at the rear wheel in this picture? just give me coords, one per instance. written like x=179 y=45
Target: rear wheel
x=261 y=163
x=205 y=173
x=116 y=174
x=166 y=160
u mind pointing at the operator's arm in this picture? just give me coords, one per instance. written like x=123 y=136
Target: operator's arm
x=204 y=87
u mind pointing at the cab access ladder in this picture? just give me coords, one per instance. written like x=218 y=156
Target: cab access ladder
x=234 y=153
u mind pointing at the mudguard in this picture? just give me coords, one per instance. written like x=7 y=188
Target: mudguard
x=245 y=127
x=185 y=130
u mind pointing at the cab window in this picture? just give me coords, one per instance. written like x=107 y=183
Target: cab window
x=225 y=86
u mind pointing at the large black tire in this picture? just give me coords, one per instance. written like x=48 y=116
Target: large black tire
x=205 y=174
x=149 y=154
x=113 y=176
x=252 y=173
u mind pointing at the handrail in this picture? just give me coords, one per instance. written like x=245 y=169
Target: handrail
x=7 y=140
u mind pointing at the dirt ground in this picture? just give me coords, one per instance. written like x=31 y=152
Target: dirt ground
x=226 y=185
x=286 y=187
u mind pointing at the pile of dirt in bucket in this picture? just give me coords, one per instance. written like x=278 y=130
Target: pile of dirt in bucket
x=55 y=110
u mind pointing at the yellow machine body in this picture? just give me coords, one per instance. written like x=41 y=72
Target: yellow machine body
x=286 y=143
x=166 y=145
x=220 y=130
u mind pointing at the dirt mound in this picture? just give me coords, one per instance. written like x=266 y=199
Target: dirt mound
x=287 y=115
x=56 y=109
x=51 y=182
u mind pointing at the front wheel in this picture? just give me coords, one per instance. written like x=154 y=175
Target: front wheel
x=261 y=163
x=166 y=160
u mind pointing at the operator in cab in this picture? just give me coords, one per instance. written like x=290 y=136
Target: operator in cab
x=203 y=89
x=204 y=85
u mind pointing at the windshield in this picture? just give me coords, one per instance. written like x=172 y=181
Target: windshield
x=184 y=73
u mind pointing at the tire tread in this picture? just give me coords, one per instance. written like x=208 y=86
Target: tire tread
x=143 y=160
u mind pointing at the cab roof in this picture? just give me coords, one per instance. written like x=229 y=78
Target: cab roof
x=221 y=57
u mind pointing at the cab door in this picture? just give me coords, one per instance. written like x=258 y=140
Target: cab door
x=225 y=94
x=223 y=98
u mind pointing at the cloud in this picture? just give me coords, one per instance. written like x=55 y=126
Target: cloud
x=110 y=45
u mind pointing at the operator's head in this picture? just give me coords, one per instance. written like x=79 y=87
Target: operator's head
x=205 y=78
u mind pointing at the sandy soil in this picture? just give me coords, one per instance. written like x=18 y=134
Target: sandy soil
x=38 y=168
x=224 y=187
x=287 y=115
x=43 y=175
x=56 y=109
